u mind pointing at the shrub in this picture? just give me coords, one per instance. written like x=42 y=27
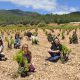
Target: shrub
x=19 y=59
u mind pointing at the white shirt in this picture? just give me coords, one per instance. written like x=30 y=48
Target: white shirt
x=1 y=49
x=34 y=38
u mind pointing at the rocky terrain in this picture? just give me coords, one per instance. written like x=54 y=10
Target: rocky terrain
x=45 y=70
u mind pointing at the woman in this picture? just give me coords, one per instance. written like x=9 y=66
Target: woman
x=2 y=56
x=24 y=58
x=17 y=41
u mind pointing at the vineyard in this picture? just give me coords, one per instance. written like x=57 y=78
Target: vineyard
x=44 y=70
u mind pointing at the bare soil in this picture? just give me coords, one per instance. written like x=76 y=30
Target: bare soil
x=45 y=70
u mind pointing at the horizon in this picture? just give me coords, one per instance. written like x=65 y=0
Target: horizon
x=42 y=7
x=38 y=12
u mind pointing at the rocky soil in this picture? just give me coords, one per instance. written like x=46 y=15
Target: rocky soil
x=45 y=70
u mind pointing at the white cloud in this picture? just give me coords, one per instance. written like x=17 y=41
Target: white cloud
x=64 y=10
x=48 y=5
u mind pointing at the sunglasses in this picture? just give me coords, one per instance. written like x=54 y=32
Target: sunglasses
x=25 y=47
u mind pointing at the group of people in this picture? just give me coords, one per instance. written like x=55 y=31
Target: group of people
x=24 y=56
x=73 y=39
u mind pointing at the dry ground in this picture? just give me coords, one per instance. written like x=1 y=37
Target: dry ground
x=45 y=70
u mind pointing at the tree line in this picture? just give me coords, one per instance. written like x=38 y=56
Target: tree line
x=22 y=17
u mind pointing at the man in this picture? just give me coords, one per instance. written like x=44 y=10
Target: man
x=28 y=34
x=55 y=50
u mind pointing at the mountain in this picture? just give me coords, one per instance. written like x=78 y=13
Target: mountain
x=17 y=12
x=75 y=13
x=17 y=16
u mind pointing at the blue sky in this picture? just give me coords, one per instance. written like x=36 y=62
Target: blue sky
x=42 y=6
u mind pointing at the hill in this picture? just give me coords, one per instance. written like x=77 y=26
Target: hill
x=17 y=16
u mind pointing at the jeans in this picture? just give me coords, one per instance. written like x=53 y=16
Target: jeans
x=54 y=56
x=1 y=56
